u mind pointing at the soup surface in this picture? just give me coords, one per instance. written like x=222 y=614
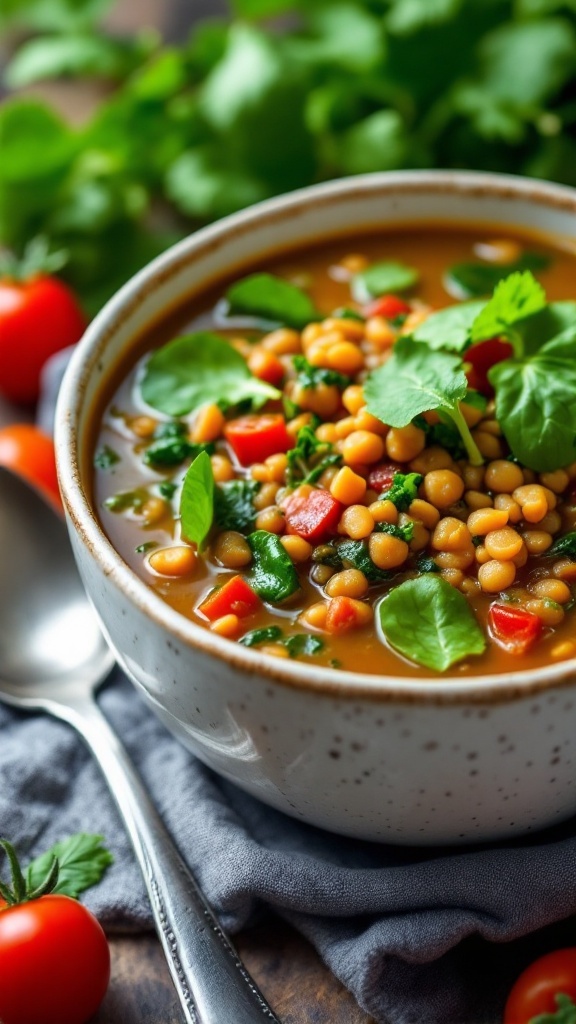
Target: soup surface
x=361 y=456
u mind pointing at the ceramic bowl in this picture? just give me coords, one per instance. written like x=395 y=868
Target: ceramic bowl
x=377 y=757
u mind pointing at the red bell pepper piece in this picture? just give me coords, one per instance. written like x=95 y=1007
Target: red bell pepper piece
x=482 y=357
x=515 y=629
x=235 y=597
x=341 y=615
x=388 y=306
x=381 y=476
x=313 y=514
x=254 y=437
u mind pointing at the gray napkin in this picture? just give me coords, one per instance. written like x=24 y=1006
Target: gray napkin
x=419 y=936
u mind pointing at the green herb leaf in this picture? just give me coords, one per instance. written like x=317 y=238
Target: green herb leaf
x=234 y=504
x=173 y=450
x=106 y=457
x=272 y=299
x=303 y=644
x=196 y=369
x=311 y=376
x=75 y=54
x=124 y=500
x=354 y=554
x=265 y=635
x=273 y=575
x=565 y=1013
x=565 y=545
x=468 y=280
x=414 y=380
x=197 y=501
x=404 y=533
x=515 y=298
x=309 y=458
x=535 y=404
x=404 y=490
x=380 y=278
x=449 y=329
x=430 y=622
x=82 y=861
x=425 y=564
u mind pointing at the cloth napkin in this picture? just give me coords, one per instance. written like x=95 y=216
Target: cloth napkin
x=420 y=936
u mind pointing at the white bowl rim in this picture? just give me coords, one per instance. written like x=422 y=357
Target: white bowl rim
x=494 y=688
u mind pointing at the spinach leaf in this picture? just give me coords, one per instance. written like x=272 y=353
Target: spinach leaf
x=303 y=644
x=535 y=403
x=430 y=622
x=234 y=504
x=380 y=278
x=400 y=532
x=403 y=490
x=565 y=545
x=515 y=297
x=172 y=450
x=196 y=369
x=273 y=575
x=272 y=299
x=267 y=634
x=546 y=325
x=197 y=501
x=449 y=328
x=106 y=457
x=354 y=554
x=414 y=380
x=468 y=280
x=311 y=376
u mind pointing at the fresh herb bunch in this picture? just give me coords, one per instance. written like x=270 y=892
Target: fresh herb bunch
x=340 y=88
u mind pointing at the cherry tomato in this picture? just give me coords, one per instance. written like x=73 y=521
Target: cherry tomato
x=481 y=358
x=38 y=317
x=514 y=628
x=235 y=597
x=254 y=437
x=27 y=451
x=313 y=516
x=388 y=306
x=534 y=991
x=381 y=476
x=54 y=962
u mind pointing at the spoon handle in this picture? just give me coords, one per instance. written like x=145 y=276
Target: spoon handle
x=212 y=983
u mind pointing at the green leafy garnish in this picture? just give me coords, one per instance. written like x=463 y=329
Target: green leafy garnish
x=515 y=298
x=404 y=533
x=125 y=500
x=172 y=446
x=426 y=564
x=265 y=635
x=303 y=644
x=234 y=504
x=272 y=299
x=449 y=329
x=82 y=861
x=403 y=491
x=565 y=1014
x=416 y=380
x=430 y=622
x=197 y=501
x=167 y=489
x=311 y=376
x=565 y=545
x=273 y=575
x=380 y=278
x=148 y=545
x=468 y=280
x=309 y=458
x=197 y=369
x=106 y=457
x=354 y=554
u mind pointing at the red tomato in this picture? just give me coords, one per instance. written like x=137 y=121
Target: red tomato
x=388 y=306
x=514 y=628
x=235 y=597
x=27 y=451
x=254 y=437
x=341 y=615
x=535 y=990
x=313 y=515
x=38 y=317
x=482 y=357
x=54 y=962
x=381 y=476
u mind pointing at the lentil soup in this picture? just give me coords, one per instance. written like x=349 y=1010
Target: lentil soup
x=361 y=456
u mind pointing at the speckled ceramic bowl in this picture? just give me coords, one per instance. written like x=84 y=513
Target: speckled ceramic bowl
x=383 y=758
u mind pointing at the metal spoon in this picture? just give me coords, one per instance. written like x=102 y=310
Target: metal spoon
x=53 y=657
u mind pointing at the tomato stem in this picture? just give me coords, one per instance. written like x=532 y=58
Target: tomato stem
x=20 y=891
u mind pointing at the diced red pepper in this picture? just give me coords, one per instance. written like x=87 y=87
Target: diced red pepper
x=482 y=357
x=312 y=514
x=235 y=597
x=388 y=306
x=381 y=476
x=515 y=629
x=254 y=437
x=341 y=615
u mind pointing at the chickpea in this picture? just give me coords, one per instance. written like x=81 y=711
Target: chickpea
x=283 y=342
x=344 y=427
x=228 y=625
x=455 y=577
x=143 y=426
x=533 y=501
x=425 y=512
x=477 y=499
x=451 y=535
x=522 y=557
x=387 y=552
x=473 y=477
x=324 y=399
x=379 y=332
x=503 y=476
x=430 y=459
x=550 y=612
x=484 y=520
x=362 y=446
x=552 y=590
x=293 y=426
x=495 y=576
x=265 y=365
x=492 y=427
x=481 y=555
x=208 y=424
x=345 y=357
x=557 y=481
x=551 y=523
x=298 y=549
x=327 y=432
x=503 y=544
x=420 y=536
x=461 y=559
x=232 y=550
x=347 y=486
x=315 y=615
x=405 y=443
x=565 y=569
x=222 y=468
x=443 y=487
x=353 y=398
x=488 y=445
x=366 y=421
x=506 y=503
x=472 y=415
x=277 y=464
x=351 y=330
x=174 y=561
x=537 y=541
x=153 y=510
x=348 y=583
x=357 y=522
x=271 y=519
x=384 y=512
x=266 y=495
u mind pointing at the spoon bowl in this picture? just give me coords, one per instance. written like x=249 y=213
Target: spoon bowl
x=53 y=657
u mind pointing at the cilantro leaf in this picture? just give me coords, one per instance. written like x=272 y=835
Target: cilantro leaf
x=430 y=622
x=404 y=533
x=234 y=504
x=416 y=380
x=272 y=299
x=196 y=369
x=380 y=278
x=197 y=501
x=403 y=490
x=306 y=644
x=82 y=859
x=516 y=297
x=449 y=329
x=468 y=280
x=311 y=376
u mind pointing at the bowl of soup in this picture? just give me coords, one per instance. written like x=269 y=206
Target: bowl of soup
x=319 y=470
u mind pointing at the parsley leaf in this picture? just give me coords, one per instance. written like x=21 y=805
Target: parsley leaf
x=272 y=299
x=515 y=298
x=265 y=635
x=82 y=859
x=311 y=376
x=303 y=644
x=403 y=490
x=309 y=458
x=197 y=501
x=468 y=280
x=404 y=533
x=449 y=328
